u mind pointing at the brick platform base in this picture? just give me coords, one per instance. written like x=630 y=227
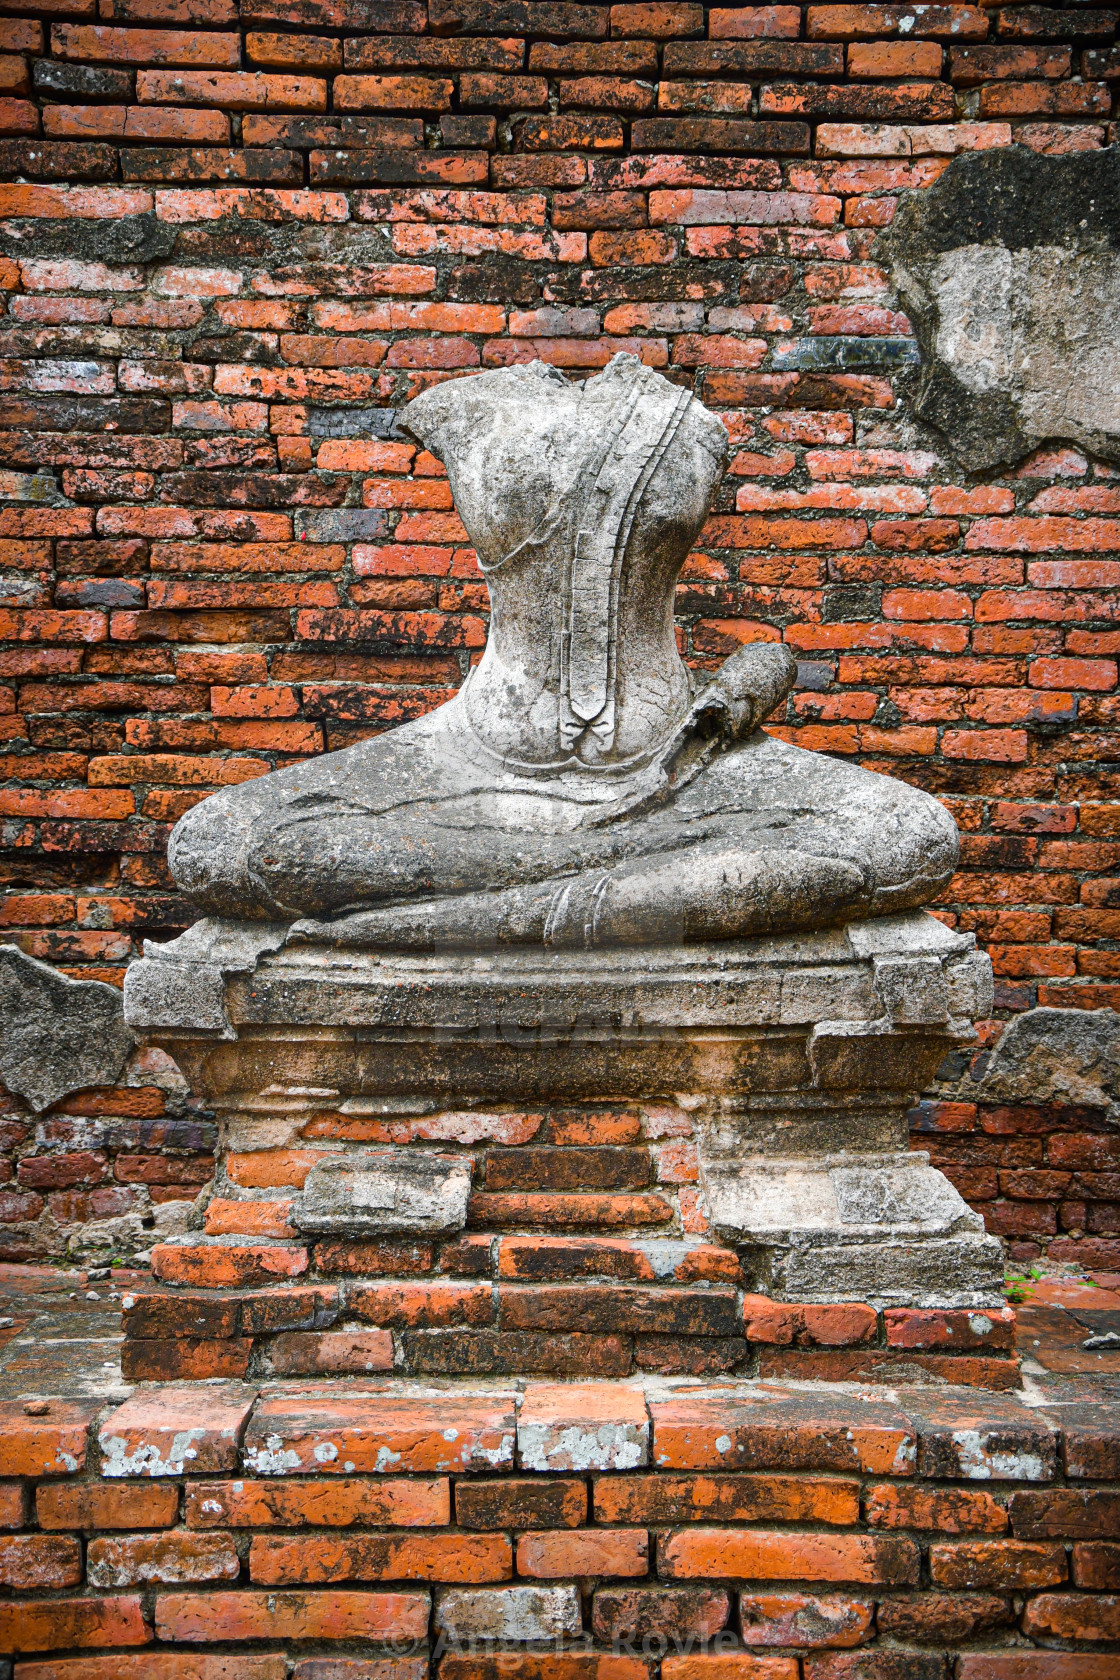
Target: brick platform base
x=588 y=1531
x=691 y=1320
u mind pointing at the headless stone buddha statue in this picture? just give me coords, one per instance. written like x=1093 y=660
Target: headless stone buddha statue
x=582 y=787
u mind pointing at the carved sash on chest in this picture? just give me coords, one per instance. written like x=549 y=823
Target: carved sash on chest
x=615 y=483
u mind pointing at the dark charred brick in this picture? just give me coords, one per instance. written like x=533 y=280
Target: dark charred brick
x=536 y=1503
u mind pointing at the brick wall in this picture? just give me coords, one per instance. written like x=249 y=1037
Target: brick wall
x=234 y=243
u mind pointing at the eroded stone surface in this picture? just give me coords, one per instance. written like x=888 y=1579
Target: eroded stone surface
x=1009 y=268
x=57 y=1034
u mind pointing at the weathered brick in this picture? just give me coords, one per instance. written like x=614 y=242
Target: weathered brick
x=88 y=1505
x=80 y=1623
x=43 y=1438
x=340 y=1437
x=334 y=1503
x=667 y=1498
x=516 y=1504
x=188 y=1618
x=1065 y=1513
x=703 y=1434
x=165 y=1431
x=944 y=1510
x=174 y=1558
x=1073 y=1616
x=1008 y=1564
x=781 y=1619
x=589 y=1427
x=631 y=1615
x=551 y=1556
x=280 y=1560
x=30 y=1562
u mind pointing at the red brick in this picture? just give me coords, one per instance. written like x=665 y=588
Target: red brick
x=1097 y=1566
x=835 y=22
x=175 y=1558
x=943 y=1618
x=50 y=1442
x=1035 y=1665
x=681 y=1615
x=13 y=1504
x=215 y=1267
x=30 y=1562
x=916 y=1327
x=554 y=1556
x=157 y=1665
x=748 y=22
x=753 y=1554
x=1066 y=1514
x=280 y=1560
x=1073 y=1616
x=236 y=90
x=163 y=1431
x=422 y=1304
x=782 y=1619
x=336 y=1503
x=667 y=1498
x=557 y=1209
x=829 y=1326
x=894 y=59
x=944 y=1510
x=184 y=1360
x=1007 y=1564
x=89 y=1505
x=702 y=1434
x=78 y=1623
x=403 y=1435
x=302 y=1352
x=666 y=20
x=187 y=1618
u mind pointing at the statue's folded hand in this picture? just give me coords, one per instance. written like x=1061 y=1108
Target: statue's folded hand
x=744 y=691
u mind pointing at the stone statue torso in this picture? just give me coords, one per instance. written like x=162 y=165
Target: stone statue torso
x=578 y=497
x=576 y=789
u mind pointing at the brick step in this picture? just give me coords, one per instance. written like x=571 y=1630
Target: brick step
x=459 y=1327
x=415 y=1531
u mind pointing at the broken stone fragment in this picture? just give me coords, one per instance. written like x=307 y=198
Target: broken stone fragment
x=1009 y=269
x=1056 y=1055
x=57 y=1034
x=386 y=1190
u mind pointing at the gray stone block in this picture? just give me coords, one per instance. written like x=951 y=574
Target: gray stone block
x=515 y=1614
x=1056 y=1055
x=414 y=1190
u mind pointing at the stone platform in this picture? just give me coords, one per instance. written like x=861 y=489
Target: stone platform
x=750 y=1093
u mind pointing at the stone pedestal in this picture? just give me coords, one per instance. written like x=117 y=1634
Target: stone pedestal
x=388 y=1099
